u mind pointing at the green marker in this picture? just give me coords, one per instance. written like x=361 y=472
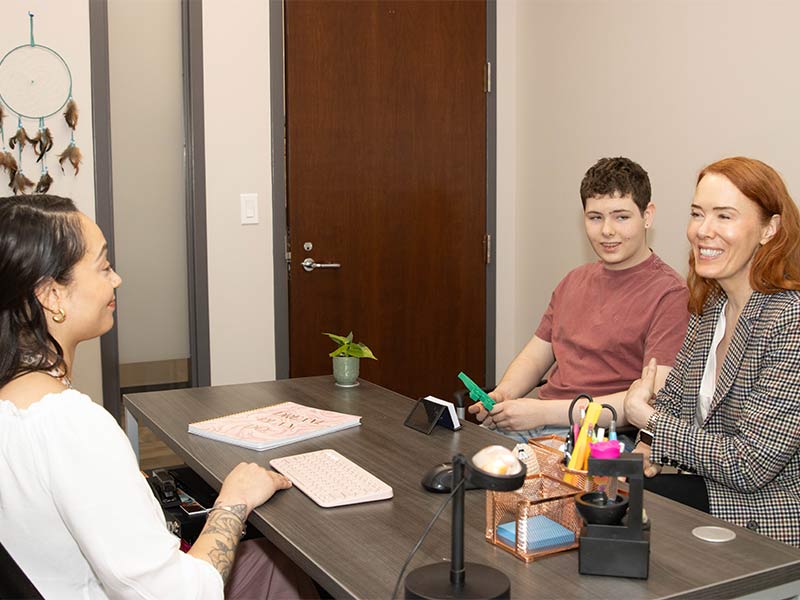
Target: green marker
x=476 y=393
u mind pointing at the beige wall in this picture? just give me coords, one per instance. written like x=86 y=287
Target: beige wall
x=674 y=85
x=237 y=128
x=64 y=27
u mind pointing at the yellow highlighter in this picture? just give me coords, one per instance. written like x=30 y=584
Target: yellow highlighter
x=581 y=450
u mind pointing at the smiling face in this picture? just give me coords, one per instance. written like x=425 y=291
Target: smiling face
x=616 y=229
x=88 y=299
x=725 y=230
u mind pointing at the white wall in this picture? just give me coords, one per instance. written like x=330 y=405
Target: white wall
x=64 y=27
x=673 y=85
x=237 y=138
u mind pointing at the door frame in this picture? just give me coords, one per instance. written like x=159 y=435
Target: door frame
x=280 y=247
x=194 y=138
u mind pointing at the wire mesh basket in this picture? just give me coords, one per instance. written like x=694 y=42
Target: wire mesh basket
x=548 y=453
x=581 y=479
x=537 y=520
x=551 y=462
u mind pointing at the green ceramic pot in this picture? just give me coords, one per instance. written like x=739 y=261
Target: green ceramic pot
x=345 y=370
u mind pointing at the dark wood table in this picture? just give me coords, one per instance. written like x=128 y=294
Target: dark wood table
x=358 y=551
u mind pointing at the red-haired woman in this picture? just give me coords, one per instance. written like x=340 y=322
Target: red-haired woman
x=729 y=412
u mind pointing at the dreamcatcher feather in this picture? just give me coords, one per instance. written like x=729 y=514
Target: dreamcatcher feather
x=45 y=181
x=7 y=160
x=71 y=114
x=19 y=183
x=21 y=137
x=73 y=154
x=43 y=141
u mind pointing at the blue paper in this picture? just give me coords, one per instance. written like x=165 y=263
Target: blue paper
x=543 y=534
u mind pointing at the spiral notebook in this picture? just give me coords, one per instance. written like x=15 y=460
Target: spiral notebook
x=273 y=426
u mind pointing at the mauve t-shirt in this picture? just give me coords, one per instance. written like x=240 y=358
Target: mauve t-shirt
x=605 y=325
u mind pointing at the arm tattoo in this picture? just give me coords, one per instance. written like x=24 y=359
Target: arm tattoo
x=222 y=558
x=225 y=528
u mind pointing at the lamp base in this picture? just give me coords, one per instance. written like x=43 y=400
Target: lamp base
x=433 y=582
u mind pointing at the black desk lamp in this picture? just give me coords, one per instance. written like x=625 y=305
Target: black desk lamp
x=442 y=580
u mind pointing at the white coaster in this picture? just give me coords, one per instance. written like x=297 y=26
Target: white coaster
x=712 y=533
x=346 y=385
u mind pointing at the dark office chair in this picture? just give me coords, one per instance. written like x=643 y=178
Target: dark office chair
x=461 y=400
x=14 y=583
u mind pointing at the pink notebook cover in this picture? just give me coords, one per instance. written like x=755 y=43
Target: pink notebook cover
x=273 y=426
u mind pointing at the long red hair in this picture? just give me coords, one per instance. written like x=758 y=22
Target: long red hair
x=776 y=264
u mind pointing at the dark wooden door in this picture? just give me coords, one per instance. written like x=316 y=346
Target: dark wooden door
x=386 y=160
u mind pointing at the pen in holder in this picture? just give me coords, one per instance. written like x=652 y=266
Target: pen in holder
x=579 y=441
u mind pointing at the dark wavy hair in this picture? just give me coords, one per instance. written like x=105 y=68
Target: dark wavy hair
x=40 y=239
x=776 y=264
x=612 y=176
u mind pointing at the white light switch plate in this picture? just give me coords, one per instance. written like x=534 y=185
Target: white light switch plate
x=249 y=209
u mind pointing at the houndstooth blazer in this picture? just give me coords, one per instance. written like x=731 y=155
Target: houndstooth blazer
x=747 y=448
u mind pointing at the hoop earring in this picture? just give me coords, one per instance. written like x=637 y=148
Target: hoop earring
x=60 y=316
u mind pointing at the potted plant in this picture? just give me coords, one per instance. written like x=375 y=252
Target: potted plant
x=346 y=357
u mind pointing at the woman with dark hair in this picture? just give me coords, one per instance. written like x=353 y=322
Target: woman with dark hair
x=729 y=412
x=75 y=512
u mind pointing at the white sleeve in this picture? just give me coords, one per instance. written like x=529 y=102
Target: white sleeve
x=110 y=511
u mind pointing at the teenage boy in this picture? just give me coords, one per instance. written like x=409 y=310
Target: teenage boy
x=605 y=320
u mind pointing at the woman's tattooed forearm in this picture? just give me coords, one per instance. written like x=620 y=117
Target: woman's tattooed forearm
x=225 y=527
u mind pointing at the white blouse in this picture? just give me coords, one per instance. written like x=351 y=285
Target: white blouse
x=708 y=384
x=77 y=515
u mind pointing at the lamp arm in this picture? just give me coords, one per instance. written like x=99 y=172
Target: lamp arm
x=457 y=544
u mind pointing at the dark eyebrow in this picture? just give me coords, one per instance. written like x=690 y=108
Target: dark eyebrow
x=613 y=212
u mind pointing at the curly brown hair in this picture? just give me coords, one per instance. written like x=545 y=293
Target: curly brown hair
x=617 y=176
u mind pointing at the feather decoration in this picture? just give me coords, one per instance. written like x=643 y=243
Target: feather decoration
x=42 y=143
x=2 y=116
x=9 y=163
x=21 y=137
x=45 y=181
x=20 y=183
x=73 y=155
x=71 y=114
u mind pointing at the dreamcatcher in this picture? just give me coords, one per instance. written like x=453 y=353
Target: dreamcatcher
x=35 y=84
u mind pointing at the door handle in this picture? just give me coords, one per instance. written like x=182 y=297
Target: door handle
x=309 y=265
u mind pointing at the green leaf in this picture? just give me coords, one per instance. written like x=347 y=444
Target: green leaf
x=342 y=350
x=361 y=351
x=348 y=348
x=340 y=339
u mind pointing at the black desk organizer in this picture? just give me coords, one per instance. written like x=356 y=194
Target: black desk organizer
x=622 y=549
x=188 y=527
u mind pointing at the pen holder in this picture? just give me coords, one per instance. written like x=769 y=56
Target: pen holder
x=537 y=520
x=581 y=479
x=547 y=452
